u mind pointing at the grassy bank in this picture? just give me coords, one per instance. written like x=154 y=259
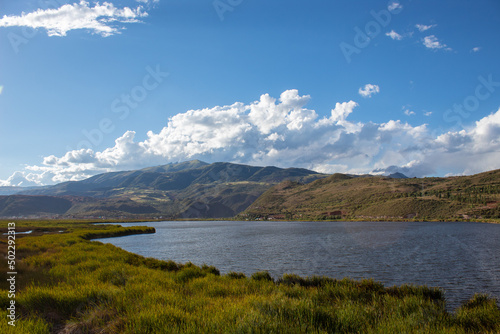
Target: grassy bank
x=347 y=197
x=69 y=284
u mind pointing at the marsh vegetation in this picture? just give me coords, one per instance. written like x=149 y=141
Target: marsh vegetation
x=70 y=284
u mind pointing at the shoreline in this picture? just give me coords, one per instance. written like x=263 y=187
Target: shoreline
x=153 y=219
x=97 y=281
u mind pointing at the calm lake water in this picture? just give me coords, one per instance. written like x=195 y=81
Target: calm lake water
x=461 y=258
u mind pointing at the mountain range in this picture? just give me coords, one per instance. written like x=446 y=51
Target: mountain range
x=195 y=189
x=192 y=189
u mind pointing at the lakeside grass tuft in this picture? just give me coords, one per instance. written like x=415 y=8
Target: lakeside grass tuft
x=70 y=284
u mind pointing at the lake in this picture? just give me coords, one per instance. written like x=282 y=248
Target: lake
x=461 y=258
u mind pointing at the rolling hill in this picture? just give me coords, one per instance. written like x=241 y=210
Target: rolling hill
x=195 y=189
x=342 y=196
x=14 y=190
x=192 y=189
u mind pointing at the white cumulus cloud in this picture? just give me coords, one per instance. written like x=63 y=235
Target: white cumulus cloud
x=99 y=19
x=465 y=152
x=394 y=5
x=408 y=112
x=394 y=35
x=423 y=27
x=432 y=42
x=284 y=132
x=368 y=90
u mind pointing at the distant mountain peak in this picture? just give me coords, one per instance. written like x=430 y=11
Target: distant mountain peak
x=397 y=176
x=189 y=189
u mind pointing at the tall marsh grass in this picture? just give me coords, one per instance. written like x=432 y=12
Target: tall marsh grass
x=75 y=285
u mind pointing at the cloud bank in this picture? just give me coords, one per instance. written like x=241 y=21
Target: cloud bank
x=284 y=132
x=100 y=19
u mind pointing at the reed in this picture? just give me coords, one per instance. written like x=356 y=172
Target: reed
x=70 y=284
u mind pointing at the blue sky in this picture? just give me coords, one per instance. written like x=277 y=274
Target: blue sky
x=85 y=89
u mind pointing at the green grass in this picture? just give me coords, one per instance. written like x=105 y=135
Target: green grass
x=345 y=197
x=67 y=283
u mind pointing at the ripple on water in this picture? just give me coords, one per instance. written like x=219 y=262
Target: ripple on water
x=458 y=257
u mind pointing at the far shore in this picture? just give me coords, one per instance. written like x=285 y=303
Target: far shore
x=156 y=219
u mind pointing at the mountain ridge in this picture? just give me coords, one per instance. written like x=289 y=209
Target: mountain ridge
x=195 y=189
x=191 y=189
x=341 y=196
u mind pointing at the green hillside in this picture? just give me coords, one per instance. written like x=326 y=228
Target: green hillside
x=195 y=189
x=192 y=189
x=375 y=197
x=15 y=204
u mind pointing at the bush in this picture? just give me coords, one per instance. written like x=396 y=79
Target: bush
x=434 y=294
x=169 y=266
x=292 y=279
x=314 y=281
x=210 y=270
x=262 y=276
x=235 y=275
x=479 y=315
x=189 y=272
